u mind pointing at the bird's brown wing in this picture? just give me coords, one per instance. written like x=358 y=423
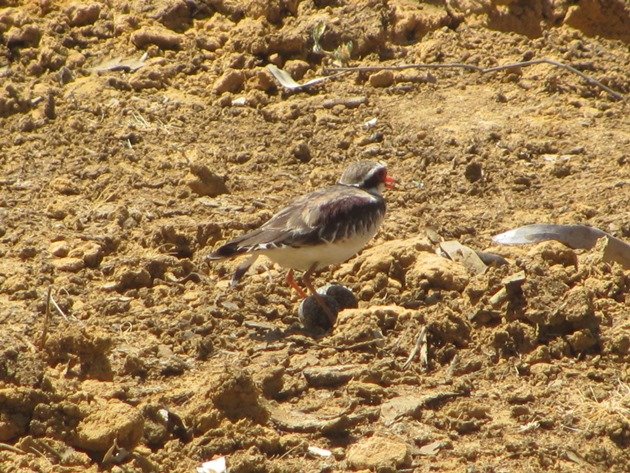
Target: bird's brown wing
x=323 y=216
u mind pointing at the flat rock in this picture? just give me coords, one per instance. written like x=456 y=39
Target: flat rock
x=370 y=393
x=464 y=255
x=70 y=265
x=387 y=257
x=110 y=421
x=379 y=452
x=401 y=406
x=293 y=421
x=331 y=376
x=81 y=15
x=158 y=36
x=359 y=326
x=382 y=79
x=59 y=249
x=441 y=273
x=231 y=81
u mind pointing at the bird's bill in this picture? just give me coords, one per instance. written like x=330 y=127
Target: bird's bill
x=390 y=182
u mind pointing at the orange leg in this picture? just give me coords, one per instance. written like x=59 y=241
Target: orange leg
x=291 y=282
x=306 y=280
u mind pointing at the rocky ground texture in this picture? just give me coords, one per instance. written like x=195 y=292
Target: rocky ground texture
x=137 y=135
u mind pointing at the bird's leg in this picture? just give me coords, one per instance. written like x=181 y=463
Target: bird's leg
x=306 y=280
x=291 y=282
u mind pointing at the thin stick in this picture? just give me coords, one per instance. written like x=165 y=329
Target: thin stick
x=42 y=340
x=421 y=345
x=11 y=448
x=61 y=312
x=366 y=343
x=56 y=306
x=470 y=67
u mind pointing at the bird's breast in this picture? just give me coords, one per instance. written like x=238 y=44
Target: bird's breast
x=324 y=253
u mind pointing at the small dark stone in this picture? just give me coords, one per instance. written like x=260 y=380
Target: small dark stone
x=28 y=252
x=501 y=98
x=344 y=297
x=205 y=348
x=49 y=107
x=313 y=316
x=491 y=259
x=473 y=172
x=523 y=181
x=65 y=75
x=376 y=137
x=173 y=366
x=302 y=152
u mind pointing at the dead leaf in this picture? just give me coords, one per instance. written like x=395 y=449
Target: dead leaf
x=121 y=65
x=573 y=236
x=464 y=255
x=431 y=449
x=288 y=82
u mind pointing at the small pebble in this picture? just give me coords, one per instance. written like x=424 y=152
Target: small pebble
x=160 y=37
x=382 y=79
x=312 y=315
x=336 y=296
x=302 y=152
x=82 y=15
x=231 y=81
x=59 y=249
x=345 y=297
x=473 y=172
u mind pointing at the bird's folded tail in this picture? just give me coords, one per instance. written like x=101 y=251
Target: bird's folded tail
x=226 y=251
x=231 y=250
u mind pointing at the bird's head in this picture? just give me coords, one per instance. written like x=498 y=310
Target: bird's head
x=367 y=175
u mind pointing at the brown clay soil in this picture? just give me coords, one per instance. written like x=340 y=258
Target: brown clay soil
x=118 y=176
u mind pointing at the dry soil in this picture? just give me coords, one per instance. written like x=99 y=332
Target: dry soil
x=136 y=136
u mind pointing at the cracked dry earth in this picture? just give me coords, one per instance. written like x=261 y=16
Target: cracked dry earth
x=119 y=173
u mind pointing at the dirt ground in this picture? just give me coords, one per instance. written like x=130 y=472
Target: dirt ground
x=119 y=175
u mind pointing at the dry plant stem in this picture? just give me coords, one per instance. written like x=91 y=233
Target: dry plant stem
x=57 y=308
x=11 y=448
x=364 y=344
x=42 y=340
x=470 y=67
x=421 y=345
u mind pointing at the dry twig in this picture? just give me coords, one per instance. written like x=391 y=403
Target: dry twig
x=421 y=346
x=56 y=306
x=366 y=343
x=487 y=70
x=115 y=454
x=11 y=448
x=42 y=340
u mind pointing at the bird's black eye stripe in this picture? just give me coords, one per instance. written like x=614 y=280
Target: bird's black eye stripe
x=375 y=179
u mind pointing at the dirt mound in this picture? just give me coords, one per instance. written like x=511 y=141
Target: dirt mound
x=137 y=136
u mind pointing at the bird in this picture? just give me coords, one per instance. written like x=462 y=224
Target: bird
x=324 y=227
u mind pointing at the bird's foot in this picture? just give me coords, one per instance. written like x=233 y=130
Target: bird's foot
x=291 y=282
